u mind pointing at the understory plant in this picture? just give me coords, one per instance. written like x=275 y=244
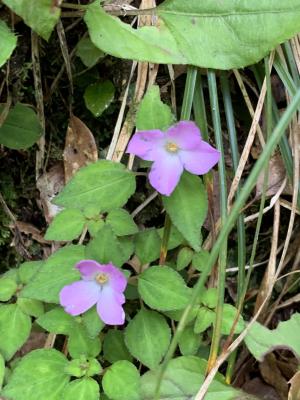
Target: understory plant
x=127 y=309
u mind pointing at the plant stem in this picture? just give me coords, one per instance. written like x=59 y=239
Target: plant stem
x=228 y=225
x=241 y=239
x=213 y=94
x=185 y=115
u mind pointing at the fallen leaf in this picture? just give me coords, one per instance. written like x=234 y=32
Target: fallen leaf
x=49 y=185
x=80 y=147
x=273 y=376
x=294 y=392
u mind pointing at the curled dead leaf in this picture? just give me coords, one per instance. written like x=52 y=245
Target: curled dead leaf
x=80 y=147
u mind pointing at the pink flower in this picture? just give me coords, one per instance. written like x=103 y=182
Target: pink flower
x=179 y=148
x=102 y=285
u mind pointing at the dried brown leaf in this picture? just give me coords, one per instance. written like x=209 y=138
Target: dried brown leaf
x=80 y=147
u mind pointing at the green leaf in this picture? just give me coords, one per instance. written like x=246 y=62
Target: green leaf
x=163 y=289
x=8 y=288
x=88 y=52
x=121 y=222
x=40 y=15
x=182 y=380
x=122 y=381
x=105 y=184
x=21 y=128
x=147 y=337
x=147 y=245
x=57 y=321
x=83 y=367
x=105 y=248
x=82 y=389
x=15 y=327
x=175 y=238
x=189 y=342
x=39 y=375
x=221 y=35
x=66 y=226
x=57 y=272
x=229 y=314
x=187 y=208
x=80 y=343
x=184 y=258
x=29 y=269
x=8 y=43
x=261 y=340
x=98 y=96
x=200 y=260
x=152 y=112
x=2 y=370
x=209 y=297
x=31 y=307
x=205 y=318
x=92 y=322
x=94 y=226
x=114 y=348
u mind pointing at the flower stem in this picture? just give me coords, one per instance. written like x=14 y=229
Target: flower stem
x=185 y=115
x=213 y=94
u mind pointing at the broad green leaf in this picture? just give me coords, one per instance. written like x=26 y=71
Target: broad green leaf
x=114 y=348
x=105 y=248
x=163 y=289
x=8 y=43
x=184 y=258
x=31 y=307
x=187 y=208
x=177 y=314
x=205 y=318
x=82 y=389
x=212 y=34
x=2 y=370
x=189 y=342
x=92 y=322
x=200 y=260
x=175 y=238
x=58 y=271
x=15 y=327
x=147 y=245
x=66 y=226
x=229 y=314
x=88 y=52
x=94 y=226
x=83 y=367
x=104 y=183
x=122 y=381
x=80 y=343
x=8 y=288
x=128 y=245
x=57 y=321
x=28 y=270
x=21 y=128
x=39 y=375
x=40 y=15
x=152 y=112
x=147 y=337
x=121 y=222
x=98 y=96
x=182 y=380
x=209 y=297
x=261 y=340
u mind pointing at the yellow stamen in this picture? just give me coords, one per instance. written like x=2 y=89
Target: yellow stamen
x=172 y=147
x=101 y=278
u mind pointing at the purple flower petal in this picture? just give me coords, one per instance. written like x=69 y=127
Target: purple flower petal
x=185 y=134
x=88 y=269
x=79 y=296
x=116 y=279
x=165 y=173
x=109 y=307
x=201 y=160
x=145 y=143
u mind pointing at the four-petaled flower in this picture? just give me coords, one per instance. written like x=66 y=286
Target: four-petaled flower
x=179 y=148
x=101 y=284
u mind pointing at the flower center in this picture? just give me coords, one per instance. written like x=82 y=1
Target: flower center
x=172 y=147
x=101 y=278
